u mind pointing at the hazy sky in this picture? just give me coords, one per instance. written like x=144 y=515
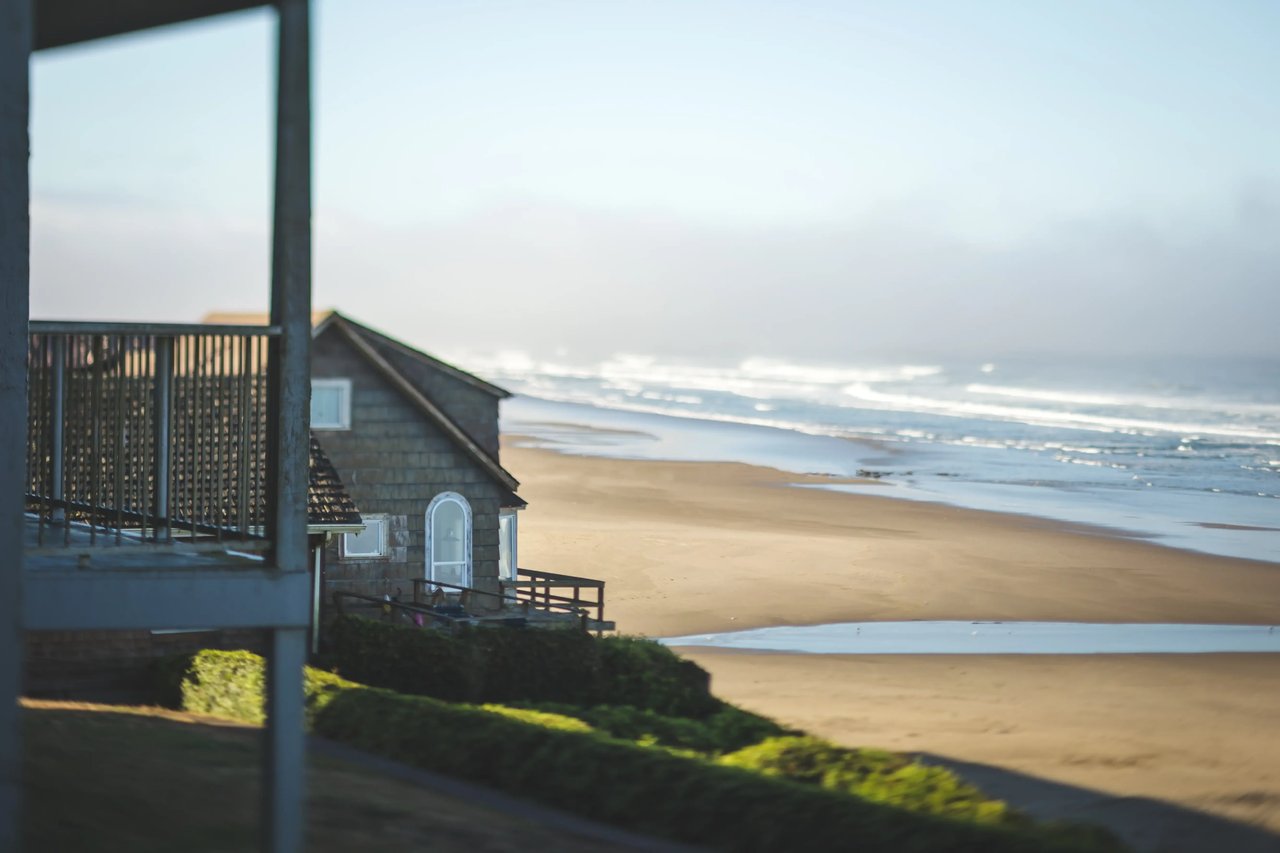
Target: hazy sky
x=823 y=180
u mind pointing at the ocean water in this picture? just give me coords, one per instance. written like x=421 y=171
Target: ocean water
x=1185 y=452
x=994 y=638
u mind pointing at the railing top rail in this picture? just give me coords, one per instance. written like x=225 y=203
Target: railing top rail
x=401 y=605
x=571 y=609
x=67 y=327
x=427 y=610
x=420 y=581
x=567 y=580
x=547 y=585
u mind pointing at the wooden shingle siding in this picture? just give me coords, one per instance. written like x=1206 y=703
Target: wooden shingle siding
x=394 y=461
x=471 y=408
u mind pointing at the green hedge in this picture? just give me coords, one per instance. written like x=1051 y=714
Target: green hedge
x=502 y=665
x=727 y=730
x=645 y=674
x=549 y=758
x=876 y=775
x=230 y=684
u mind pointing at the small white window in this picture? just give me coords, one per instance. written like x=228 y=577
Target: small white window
x=370 y=542
x=508 y=569
x=331 y=404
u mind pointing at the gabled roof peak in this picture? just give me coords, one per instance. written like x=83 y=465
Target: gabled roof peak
x=323 y=319
x=334 y=316
x=365 y=341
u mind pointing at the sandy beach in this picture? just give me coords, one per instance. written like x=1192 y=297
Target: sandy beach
x=690 y=547
x=700 y=547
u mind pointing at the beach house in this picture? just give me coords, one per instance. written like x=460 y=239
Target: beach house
x=415 y=441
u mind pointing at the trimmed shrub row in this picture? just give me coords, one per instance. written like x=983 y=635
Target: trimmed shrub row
x=232 y=685
x=727 y=730
x=873 y=774
x=550 y=758
x=495 y=665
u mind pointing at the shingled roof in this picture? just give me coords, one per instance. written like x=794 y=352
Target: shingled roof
x=387 y=345
x=329 y=507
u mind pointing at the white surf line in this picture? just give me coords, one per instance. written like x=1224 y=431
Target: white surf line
x=994 y=638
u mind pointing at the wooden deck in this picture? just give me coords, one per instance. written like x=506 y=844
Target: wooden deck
x=449 y=607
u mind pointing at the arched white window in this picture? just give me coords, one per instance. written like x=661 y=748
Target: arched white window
x=449 y=540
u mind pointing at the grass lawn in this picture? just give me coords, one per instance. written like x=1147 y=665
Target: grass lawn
x=114 y=778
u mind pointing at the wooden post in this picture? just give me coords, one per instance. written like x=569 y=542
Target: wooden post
x=15 y=248
x=289 y=386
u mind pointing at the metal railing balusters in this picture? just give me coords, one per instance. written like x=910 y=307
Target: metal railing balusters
x=142 y=424
x=134 y=429
x=163 y=421
x=95 y=468
x=117 y=485
x=242 y=484
x=260 y=430
x=195 y=411
x=218 y=410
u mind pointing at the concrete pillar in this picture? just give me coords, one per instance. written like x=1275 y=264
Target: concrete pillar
x=15 y=242
x=284 y=781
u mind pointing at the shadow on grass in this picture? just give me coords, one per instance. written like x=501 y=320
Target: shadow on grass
x=98 y=778
x=1146 y=825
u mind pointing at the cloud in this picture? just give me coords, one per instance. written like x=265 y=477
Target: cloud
x=542 y=277
x=106 y=258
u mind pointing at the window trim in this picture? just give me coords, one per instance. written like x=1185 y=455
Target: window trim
x=468 y=523
x=383 y=521
x=510 y=543
x=343 y=386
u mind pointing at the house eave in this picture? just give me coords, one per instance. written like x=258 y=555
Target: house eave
x=335 y=528
x=400 y=346
x=65 y=22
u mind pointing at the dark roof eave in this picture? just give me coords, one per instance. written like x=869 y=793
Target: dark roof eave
x=418 y=355
x=336 y=528
x=513 y=501
x=64 y=22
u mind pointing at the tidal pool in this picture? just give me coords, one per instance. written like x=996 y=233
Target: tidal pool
x=994 y=638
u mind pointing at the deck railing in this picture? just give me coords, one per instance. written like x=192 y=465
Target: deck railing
x=147 y=432
x=535 y=589
x=399 y=609
x=429 y=592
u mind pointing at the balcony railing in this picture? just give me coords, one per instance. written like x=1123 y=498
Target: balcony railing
x=533 y=588
x=147 y=433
